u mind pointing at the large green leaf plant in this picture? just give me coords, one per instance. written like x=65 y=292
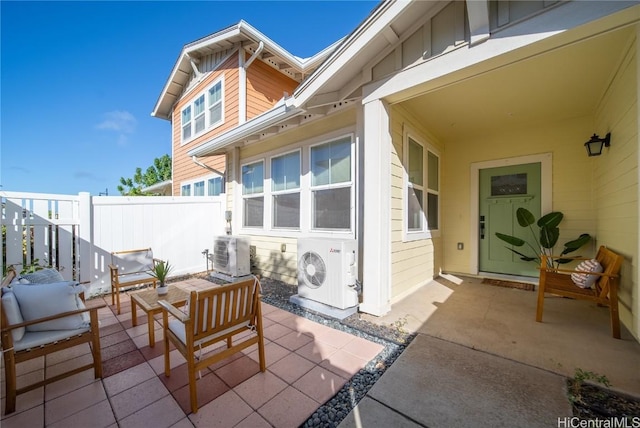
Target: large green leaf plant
x=545 y=239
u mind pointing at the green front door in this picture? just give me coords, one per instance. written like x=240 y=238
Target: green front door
x=502 y=191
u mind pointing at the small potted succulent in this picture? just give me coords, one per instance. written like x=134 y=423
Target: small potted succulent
x=161 y=271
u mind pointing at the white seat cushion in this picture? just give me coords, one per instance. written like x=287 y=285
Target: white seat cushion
x=33 y=339
x=178 y=328
x=43 y=300
x=12 y=312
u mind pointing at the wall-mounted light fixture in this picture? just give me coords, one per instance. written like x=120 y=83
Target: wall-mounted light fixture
x=595 y=144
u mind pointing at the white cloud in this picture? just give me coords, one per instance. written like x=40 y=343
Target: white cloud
x=118 y=121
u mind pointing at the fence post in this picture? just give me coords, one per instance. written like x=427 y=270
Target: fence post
x=85 y=237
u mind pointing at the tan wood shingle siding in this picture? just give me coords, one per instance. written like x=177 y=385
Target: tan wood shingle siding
x=265 y=87
x=183 y=167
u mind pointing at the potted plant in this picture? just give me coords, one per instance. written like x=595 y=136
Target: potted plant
x=161 y=271
x=545 y=239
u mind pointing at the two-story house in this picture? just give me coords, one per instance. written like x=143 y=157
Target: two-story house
x=418 y=136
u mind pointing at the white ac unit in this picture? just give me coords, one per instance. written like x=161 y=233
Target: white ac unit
x=231 y=255
x=327 y=271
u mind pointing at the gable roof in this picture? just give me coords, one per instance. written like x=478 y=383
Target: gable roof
x=240 y=35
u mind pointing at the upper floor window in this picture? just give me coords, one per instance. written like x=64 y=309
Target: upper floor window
x=204 y=112
x=331 y=185
x=422 y=189
x=253 y=194
x=185 y=190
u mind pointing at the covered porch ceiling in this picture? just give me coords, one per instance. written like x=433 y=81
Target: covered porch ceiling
x=558 y=84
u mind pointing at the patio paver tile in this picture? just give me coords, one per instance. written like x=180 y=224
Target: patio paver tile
x=66 y=385
x=223 y=412
x=254 y=420
x=291 y=368
x=294 y=340
x=320 y=384
x=363 y=348
x=316 y=351
x=68 y=404
x=238 y=370
x=33 y=417
x=122 y=362
x=289 y=408
x=136 y=398
x=343 y=364
x=128 y=379
x=97 y=416
x=208 y=388
x=160 y=414
x=260 y=388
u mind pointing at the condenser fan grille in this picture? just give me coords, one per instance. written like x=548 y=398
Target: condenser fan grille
x=312 y=269
x=221 y=253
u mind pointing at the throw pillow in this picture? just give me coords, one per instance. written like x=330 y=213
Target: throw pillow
x=584 y=280
x=43 y=276
x=43 y=300
x=13 y=314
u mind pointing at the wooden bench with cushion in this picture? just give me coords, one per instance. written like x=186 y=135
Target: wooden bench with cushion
x=218 y=313
x=40 y=319
x=604 y=292
x=130 y=268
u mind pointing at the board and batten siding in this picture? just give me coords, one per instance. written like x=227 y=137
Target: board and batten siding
x=265 y=87
x=183 y=167
x=413 y=263
x=616 y=181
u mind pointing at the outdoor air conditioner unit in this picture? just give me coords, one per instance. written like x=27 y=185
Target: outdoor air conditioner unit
x=231 y=255
x=327 y=271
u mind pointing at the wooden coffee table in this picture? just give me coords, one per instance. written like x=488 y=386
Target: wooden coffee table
x=148 y=302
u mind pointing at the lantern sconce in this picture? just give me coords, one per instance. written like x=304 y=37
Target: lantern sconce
x=595 y=144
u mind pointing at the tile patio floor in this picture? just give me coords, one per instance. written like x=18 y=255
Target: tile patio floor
x=307 y=363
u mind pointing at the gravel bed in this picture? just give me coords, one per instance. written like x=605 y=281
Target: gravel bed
x=331 y=413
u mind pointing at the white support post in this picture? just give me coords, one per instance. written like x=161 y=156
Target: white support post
x=85 y=237
x=377 y=210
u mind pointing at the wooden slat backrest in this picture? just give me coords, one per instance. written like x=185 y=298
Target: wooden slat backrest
x=222 y=308
x=611 y=264
x=132 y=261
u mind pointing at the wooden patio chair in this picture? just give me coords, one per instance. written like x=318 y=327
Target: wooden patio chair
x=604 y=292
x=39 y=319
x=130 y=268
x=214 y=314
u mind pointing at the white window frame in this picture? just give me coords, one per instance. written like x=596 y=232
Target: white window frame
x=424 y=232
x=274 y=192
x=205 y=95
x=306 y=212
x=190 y=184
x=330 y=186
x=266 y=205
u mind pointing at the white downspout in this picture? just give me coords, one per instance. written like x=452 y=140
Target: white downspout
x=200 y=164
x=255 y=55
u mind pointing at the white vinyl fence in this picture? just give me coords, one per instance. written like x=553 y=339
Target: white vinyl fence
x=76 y=234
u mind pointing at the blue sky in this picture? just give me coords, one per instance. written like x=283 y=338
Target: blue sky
x=78 y=80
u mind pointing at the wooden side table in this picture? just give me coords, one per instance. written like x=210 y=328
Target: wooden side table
x=148 y=302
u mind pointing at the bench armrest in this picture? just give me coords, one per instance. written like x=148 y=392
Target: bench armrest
x=52 y=317
x=166 y=306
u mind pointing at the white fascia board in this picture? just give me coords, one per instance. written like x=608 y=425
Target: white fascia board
x=466 y=62
x=372 y=27
x=256 y=125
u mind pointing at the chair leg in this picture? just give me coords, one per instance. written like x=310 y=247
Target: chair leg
x=540 y=305
x=10 y=382
x=193 y=396
x=613 y=309
x=95 y=345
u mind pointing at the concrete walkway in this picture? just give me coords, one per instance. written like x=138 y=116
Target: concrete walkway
x=480 y=359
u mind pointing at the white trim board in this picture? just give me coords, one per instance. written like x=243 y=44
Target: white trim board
x=546 y=177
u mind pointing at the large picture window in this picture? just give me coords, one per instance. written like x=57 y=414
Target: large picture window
x=204 y=112
x=253 y=194
x=331 y=185
x=285 y=190
x=422 y=189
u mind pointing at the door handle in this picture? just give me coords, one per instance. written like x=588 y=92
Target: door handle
x=481 y=227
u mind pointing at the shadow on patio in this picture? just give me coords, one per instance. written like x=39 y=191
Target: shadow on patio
x=307 y=363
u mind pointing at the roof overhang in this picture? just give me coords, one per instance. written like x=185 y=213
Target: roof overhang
x=241 y=35
x=279 y=114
